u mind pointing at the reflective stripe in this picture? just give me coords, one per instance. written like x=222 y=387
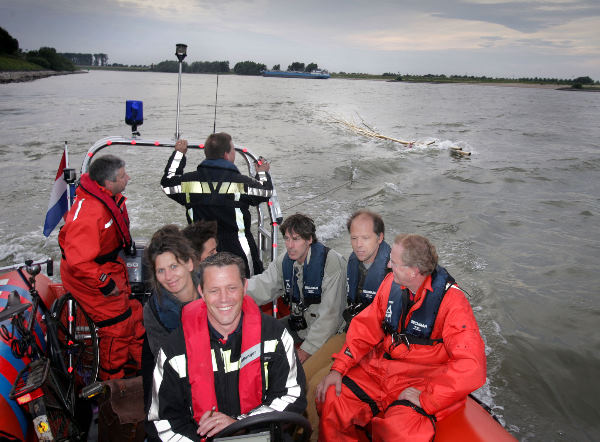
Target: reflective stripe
x=291 y=383
x=232 y=188
x=266 y=372
x=165 y=433
x=157 y=376
x=192 y=187
x=228 y=366
x=214 y=360
x=163 y=427
x=270 y=346
x=78 y=208
x=108 y=224
x=205 y=187
x=250 y=355
x=172 y=190
x=239 y=220
x=178 y=363
x=174 y=164
x=253 y=191
x=262 y=409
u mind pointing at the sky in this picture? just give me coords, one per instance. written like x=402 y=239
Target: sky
x=530 y=38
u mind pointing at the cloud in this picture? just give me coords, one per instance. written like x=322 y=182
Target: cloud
x=427 y=33
x=351 y=35
x=524 y=16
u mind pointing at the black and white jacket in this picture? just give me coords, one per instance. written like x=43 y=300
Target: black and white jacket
x=284 y=383
x=217 y=191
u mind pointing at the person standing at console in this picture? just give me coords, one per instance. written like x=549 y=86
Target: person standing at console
x=217 y=190
x=95 y=233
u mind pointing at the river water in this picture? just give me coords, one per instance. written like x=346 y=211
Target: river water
x=516 y=223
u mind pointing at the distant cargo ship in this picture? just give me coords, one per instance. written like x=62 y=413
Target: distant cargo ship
x=317 y=73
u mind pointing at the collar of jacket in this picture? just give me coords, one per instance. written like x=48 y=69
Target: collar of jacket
x=220 y=163
x=168 y=308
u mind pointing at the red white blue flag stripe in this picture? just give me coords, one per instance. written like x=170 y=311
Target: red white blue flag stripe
x=59 y=205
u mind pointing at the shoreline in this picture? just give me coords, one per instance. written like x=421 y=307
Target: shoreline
x=556 y=87
x=23 y=76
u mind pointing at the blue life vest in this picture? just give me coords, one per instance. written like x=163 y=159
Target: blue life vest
x=419 y=329
x=312 y=276
x=373 y=279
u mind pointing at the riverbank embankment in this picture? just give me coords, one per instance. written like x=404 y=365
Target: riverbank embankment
x=21 y=76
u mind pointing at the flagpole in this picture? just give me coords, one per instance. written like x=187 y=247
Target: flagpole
x=68 y=184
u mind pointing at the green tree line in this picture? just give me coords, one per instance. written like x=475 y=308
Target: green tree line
x=43 y=58
x=299 y=67
x=584 y=80
x=213 y=67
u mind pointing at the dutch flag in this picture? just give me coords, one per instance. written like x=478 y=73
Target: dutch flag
x=58 y=205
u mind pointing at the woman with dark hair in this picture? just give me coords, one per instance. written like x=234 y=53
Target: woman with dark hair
x=171 y=260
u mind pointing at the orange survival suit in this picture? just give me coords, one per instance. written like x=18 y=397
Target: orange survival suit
x=376 y=369
x=91 y=268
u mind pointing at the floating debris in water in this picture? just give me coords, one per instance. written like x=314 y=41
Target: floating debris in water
x=367 y=131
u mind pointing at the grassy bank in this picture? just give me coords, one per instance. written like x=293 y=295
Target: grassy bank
x=8 y=63
x=458 y=79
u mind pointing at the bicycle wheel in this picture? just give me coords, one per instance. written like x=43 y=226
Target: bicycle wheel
x=77 y=341
x=59 y=423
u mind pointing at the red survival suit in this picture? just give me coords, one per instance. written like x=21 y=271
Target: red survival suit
x=90 y=269
x=378 y=371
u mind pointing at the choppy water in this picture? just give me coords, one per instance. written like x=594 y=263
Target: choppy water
x=517 y=223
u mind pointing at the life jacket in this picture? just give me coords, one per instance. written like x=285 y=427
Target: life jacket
x=117 y=210
x=422 y=320
x=373 y=279
x=200 y=368
x=312 y=276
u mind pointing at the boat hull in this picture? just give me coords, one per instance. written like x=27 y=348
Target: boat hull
x=471 y=423
x=15 y=422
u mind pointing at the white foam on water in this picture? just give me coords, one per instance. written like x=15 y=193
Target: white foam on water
x=394 y=187
x=498 y=331
x=332 y=227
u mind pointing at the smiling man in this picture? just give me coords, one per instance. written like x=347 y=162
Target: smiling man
x=227 y=361
x=310 y=277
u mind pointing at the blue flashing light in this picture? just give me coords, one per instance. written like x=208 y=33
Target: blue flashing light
x=134 y=113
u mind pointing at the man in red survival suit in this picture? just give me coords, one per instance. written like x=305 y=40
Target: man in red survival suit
x=226 y=361
x=410 y=358
x=95 y=232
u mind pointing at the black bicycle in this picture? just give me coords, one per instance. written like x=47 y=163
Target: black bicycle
x=49 y=385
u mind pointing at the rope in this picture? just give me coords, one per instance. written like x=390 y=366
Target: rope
x=317 y=196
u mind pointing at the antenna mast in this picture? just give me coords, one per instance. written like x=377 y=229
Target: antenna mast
x=181 y=53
